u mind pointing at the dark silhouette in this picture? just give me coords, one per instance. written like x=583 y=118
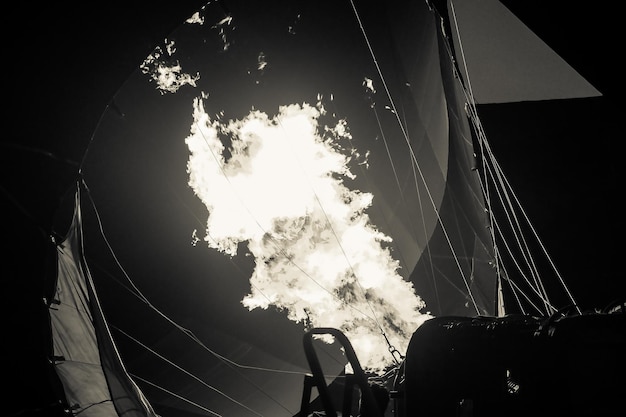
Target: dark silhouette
x=381 y=394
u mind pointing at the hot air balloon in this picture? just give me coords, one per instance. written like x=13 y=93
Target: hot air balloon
x=271 y=169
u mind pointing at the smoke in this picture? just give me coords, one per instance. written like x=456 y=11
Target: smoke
x=278 y=185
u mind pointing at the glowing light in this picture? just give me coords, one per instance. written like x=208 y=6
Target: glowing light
x=280 y=187
x=165 y=71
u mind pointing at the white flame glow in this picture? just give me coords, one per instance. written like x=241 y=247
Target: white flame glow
x=280 y=187
x=165 y=71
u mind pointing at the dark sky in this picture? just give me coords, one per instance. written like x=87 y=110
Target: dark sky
x=64 y=64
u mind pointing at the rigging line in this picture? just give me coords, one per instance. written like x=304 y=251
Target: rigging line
x=186 y=330
x=486 y=192
x=414 y=158
x=111 y=105
x=111 y=251
x=483 y=140
x=540 y=242
x=380 y=73
x=83 y=409
x=225 y=360
x=497 y=255
x=214 y=389
x=280 y=249
x=213 y=413
x=515 y=225
x=473 y=106
x=472 y=114
x=487 y=169
x=415 y=170
x=189 y=333
x=447 y=45
x=425 y=229
x=536 y=290
x=84 y=269
x=231 y=364
x=193 y=337
x=486 y=157
x=509 y=210
x=41 y=151
x=397 y=181
x=516 y=290
x=448 y=280
x=458 y=36
x=522 y=236
x=404 y=129
x=395 y=173
x=113 y=277
x=444 y=229
x=399 y=186
x=369 y=182
x=516 y=228
x=396 y=178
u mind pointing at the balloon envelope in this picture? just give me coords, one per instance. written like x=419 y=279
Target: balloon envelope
x=274 y=167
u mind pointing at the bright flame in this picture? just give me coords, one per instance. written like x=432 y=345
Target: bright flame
x=280 y=188
x=165 y=71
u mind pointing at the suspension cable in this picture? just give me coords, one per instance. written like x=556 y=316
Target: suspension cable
x=414 y=159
